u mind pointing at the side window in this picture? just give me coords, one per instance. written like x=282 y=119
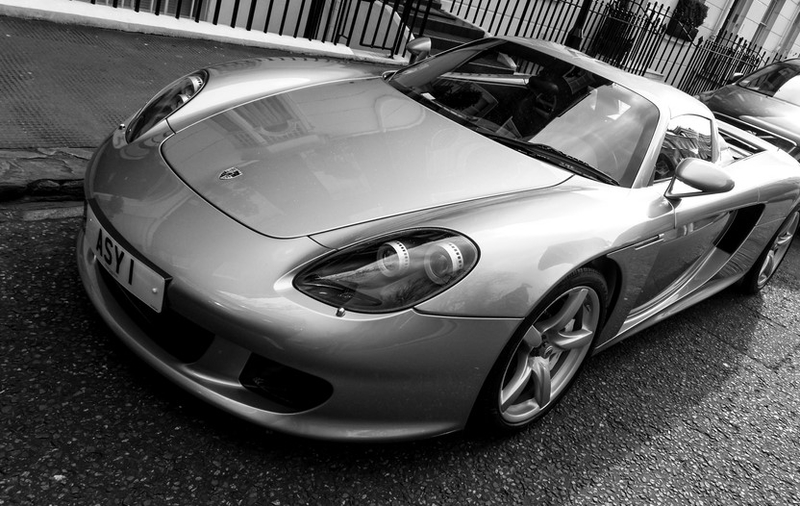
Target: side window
x=688 y=136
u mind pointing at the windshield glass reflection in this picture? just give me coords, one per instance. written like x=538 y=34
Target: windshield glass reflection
x=508 y=91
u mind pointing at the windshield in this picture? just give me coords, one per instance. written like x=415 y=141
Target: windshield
x=573 y=118
x=781 y=80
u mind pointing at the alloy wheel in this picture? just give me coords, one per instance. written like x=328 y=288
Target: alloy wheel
x=777 y=250
x=549 y=355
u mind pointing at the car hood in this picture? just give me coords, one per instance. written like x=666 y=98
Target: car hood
x=234 y=83
x=328 y=156
x=757 y=109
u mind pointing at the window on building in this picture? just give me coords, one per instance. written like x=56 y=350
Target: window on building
x=736 y=15
x=791 y=37
x=768 y=21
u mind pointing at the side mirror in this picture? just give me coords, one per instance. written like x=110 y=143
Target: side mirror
x=735 y=77
x=419 y=48
x=701 y=176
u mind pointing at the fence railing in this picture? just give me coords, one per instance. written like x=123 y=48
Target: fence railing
x=717 y=60
x=362 y=24
x=642 y=39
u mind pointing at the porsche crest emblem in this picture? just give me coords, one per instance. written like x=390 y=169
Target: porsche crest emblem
x=230 y=173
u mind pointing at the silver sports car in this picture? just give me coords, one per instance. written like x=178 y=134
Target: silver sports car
x=336 y=253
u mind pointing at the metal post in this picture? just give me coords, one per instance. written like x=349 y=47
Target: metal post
x=575 y=37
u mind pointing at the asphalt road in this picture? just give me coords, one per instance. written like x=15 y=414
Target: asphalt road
x=701 y=409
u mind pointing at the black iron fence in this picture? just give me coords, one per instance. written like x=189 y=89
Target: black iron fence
x=362 y=24
x=709 y=64
x=640 y=38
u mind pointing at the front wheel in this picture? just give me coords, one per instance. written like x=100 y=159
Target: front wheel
x=772 y=256
x=541 y=362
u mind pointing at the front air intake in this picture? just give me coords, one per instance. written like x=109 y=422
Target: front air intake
x=284 y=385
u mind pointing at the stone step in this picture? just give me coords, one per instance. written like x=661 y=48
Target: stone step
x=442 y=25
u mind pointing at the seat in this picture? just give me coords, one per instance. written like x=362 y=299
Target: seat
x=534 y=111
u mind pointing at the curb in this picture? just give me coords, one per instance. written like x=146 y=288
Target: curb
x=43 y=173
x=117 y=18
x=47 y=183
x=38 y=211
x=43 y=183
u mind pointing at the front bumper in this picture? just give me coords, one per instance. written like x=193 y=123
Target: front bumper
x=384 y=377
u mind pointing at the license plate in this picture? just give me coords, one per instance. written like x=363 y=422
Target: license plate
x=132 y=274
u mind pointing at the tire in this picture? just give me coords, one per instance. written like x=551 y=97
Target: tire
x=544 y=357
x=770 y=259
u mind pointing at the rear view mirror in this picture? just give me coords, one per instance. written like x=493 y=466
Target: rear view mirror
x=701 y=176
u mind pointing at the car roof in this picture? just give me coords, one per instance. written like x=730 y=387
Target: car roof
x=666 y=97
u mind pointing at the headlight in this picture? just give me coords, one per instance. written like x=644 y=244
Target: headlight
x=390 y=273
x=167 y=101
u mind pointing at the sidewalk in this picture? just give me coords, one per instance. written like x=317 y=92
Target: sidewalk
x=64 y=87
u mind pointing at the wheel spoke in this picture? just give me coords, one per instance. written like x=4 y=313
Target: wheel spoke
x=572 y=340
x=783 y=240
x=516 y=385
x=533 y=337
x=535 y=369
x=786 y=234
x=567 y=330
x=770 y=267
x=566 y=314
x=540 y=367
x=767 y=268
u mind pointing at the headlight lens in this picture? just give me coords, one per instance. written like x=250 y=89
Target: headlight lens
x=167 y=101
x=390 y=273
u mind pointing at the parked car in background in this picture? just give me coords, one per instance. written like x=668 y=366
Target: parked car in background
x=339 y=253
x=765 y=103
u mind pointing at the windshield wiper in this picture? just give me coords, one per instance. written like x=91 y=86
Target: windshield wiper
x=556 y=157
x=585 y=169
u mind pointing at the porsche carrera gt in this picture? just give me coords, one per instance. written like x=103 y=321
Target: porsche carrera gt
x=337 y=252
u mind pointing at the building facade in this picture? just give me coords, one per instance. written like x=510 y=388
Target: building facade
x=773 y=25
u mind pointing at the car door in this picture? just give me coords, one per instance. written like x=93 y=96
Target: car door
x=700 y=221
